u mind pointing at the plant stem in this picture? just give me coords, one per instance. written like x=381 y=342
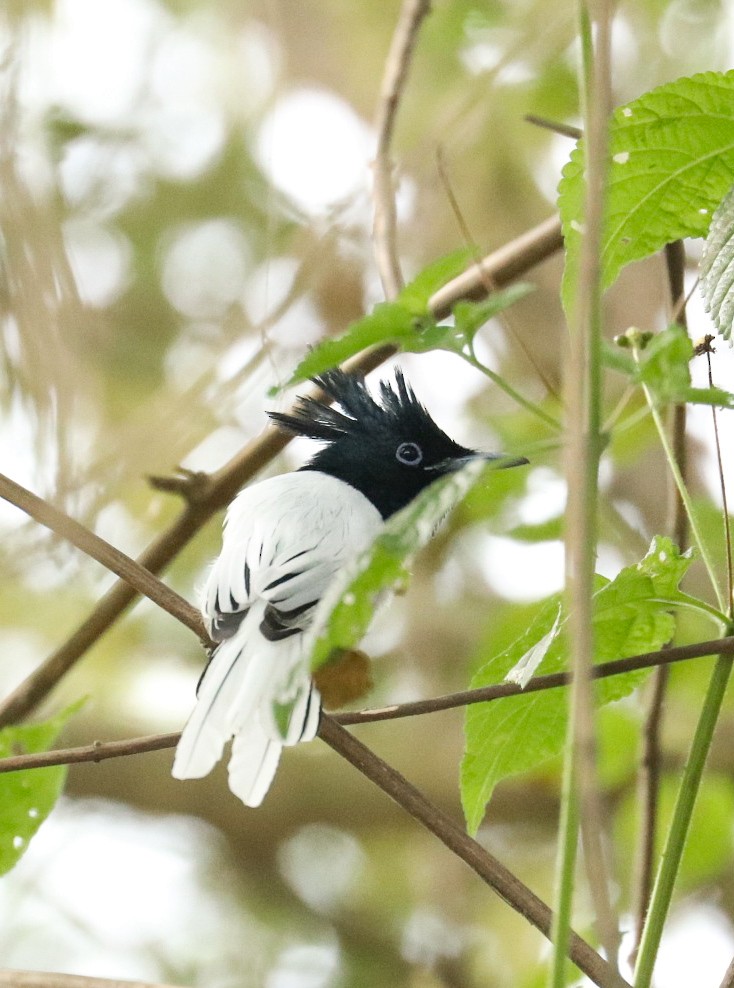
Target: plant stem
x=583 y=403
x=676 y=838
x=682 y=489
x=525 y=403
x=565 y=870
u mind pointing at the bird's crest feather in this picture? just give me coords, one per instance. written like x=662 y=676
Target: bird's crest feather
x=361 y=412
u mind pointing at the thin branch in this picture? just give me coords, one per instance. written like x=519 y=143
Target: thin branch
x=508 y=263
x=485 y=694
x=728 y=980
x=466 y=233
x=484 y=864
x=724 y=499
x=500 y=267
x=97 y=751
x=649 y=776
x=648 y=790
x=412 y=14
x=50 y=979
x=101 y=750
x=563 y=129
x=113 y=559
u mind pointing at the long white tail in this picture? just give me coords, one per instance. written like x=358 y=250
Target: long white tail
x=260 y=694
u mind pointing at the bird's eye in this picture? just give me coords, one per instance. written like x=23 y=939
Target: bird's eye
x=409 y=454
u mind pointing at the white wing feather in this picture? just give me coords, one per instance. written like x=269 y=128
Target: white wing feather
x=284 y=541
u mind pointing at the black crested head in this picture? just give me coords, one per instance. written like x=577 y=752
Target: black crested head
x=388 y=447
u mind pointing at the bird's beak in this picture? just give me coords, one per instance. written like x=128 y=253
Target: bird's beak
x=503 y=461
x=499 y=460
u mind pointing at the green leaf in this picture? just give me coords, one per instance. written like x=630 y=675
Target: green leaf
x=407 y=323
x=469 y=317
x=664 y=368
x=710 y=396
x=664 y=364
x=515 y=734
x=387 y=322
x=27 y=798
x=717 y=267
x=542 y=531
x=416 y=294
x=671 y=161
x=346 y=609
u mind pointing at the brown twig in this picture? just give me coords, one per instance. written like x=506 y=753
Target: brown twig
x=466 y=233
x=113 y=559
x=565 y=130
x=500 y=267
x=509 y=262
x=484 y=864
x=649 y=776
x=101 y=750
x=50 y=979
x=728 y=979
x=724 y=498
x=412 y=14
x=97 y=751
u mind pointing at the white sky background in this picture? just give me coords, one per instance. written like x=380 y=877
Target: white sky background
x=317 y=151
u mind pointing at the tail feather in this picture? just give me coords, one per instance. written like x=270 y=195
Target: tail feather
x=244 y=683
x=253 y=764
x=207 y=729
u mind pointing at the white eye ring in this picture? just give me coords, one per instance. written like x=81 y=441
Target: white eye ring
x=409 y=454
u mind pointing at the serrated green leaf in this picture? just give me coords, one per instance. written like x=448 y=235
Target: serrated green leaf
x=671 y=161
x=664 y=364
x=407 y=323
x=709 y=396
x=27 y=798
x=717 y=267
x=387 y=322
x=346 y=609
x=514 y=734
x=469 y=317
x=664 y=368
x=414 y=297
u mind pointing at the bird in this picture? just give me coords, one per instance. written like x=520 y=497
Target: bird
x=285 y=539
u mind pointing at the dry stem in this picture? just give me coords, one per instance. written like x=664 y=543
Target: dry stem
x=412 y=14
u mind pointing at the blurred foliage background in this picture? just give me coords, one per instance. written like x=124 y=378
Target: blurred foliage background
x=185 y=207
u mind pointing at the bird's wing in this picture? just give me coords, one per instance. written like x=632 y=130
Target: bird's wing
x=284 y=541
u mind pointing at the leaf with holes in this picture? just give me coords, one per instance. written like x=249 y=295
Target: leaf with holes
x=717 y=267
x=671 y=161
x=27 y=798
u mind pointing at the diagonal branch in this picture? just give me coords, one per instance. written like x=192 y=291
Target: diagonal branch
x=210 y=495
x=113 y=559
x=51 y=979
x=486 y=866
